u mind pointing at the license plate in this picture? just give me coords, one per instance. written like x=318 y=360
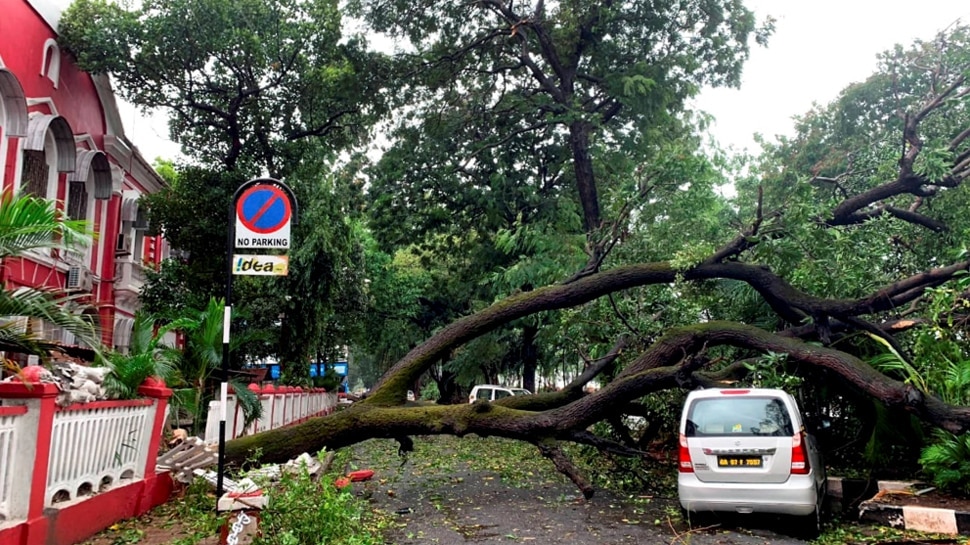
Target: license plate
x=739 y=461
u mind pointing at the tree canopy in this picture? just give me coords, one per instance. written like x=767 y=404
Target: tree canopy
x=544 y=197
x=252 y=88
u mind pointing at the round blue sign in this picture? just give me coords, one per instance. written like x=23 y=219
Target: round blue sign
x=263 y=209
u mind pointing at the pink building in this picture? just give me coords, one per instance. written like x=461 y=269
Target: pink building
x=61 y=137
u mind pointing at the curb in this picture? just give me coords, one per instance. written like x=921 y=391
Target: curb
x=845 y=495
x=911 y=517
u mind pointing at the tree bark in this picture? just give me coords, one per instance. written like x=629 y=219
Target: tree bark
x=530 y=357
x=579 y=133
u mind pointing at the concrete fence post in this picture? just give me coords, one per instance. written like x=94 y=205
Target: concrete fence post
x=31 y=453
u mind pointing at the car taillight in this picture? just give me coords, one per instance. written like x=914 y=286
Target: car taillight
x=734 y=392
x=799 y=455
x=684 y=465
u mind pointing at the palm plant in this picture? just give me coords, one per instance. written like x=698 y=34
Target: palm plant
x=146 y=357
x=947 y=461
x=32 y=223
x=29 y=223
x=200 y=362
x=946 y=374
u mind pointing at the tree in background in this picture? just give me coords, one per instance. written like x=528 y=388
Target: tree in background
x=253 y=88
x=246 y=82
x=520 y=141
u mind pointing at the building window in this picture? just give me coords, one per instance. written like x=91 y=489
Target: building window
x=77 y=201
x=48 y=147
x=50 y=66
x=35 y=173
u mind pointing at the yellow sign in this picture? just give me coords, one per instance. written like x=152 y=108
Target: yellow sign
x=260 y=265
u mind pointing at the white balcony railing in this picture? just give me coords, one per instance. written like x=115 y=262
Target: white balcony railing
x=132 y=276
x=281 y=406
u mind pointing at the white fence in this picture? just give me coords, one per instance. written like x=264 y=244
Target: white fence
x=282 y=406
x=51 y=455
x=10 y=417
x=93 y=447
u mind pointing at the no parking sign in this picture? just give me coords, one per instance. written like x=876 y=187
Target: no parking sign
x=264 y=210
x=260 y=216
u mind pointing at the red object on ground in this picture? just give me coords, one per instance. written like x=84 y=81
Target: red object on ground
x=361 y=475
x=342 y=482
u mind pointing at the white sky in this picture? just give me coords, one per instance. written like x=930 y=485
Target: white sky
x=818 y=48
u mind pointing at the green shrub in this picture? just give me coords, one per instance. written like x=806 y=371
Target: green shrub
x=430 y=391
x=306 y=511
x=947 y=461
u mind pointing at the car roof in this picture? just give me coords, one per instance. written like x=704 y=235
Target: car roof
x=727 y=392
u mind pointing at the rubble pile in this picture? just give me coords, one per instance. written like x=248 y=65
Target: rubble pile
x=77 y=383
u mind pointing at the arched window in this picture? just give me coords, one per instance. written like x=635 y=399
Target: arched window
x=48 y=150
x=13 y=106
x=122 y=334
x=131 y=236
x=50 y=65
x=13 y=115
x=90 y=180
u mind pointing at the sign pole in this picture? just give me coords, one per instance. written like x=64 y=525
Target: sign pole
x=261 y=212
x=226 y=322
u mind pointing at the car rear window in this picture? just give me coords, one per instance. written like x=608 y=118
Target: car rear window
x=738 y=416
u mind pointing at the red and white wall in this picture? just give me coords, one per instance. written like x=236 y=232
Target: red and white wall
x=66 y=473
x=61 y=137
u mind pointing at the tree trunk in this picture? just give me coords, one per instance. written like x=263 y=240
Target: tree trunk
x=675 y=360
x=530 y=357
x=449 y=392
x=579 y=132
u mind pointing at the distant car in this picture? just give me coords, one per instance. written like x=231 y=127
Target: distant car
x=491 y=392
x=410 y=395
x=747 y=451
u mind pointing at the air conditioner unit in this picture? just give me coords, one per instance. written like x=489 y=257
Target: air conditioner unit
x=79 y=278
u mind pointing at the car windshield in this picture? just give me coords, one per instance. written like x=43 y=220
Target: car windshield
x=738 y=416
x=520 y=392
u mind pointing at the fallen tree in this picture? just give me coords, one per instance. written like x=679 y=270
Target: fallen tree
x=810 y=325
x=674 y=361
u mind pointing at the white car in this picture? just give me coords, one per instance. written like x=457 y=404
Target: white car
x=747 y=451
x=491 y=392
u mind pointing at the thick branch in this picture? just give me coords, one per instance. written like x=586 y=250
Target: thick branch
x=790 y=303
x=656 y=369
x=552 y=451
